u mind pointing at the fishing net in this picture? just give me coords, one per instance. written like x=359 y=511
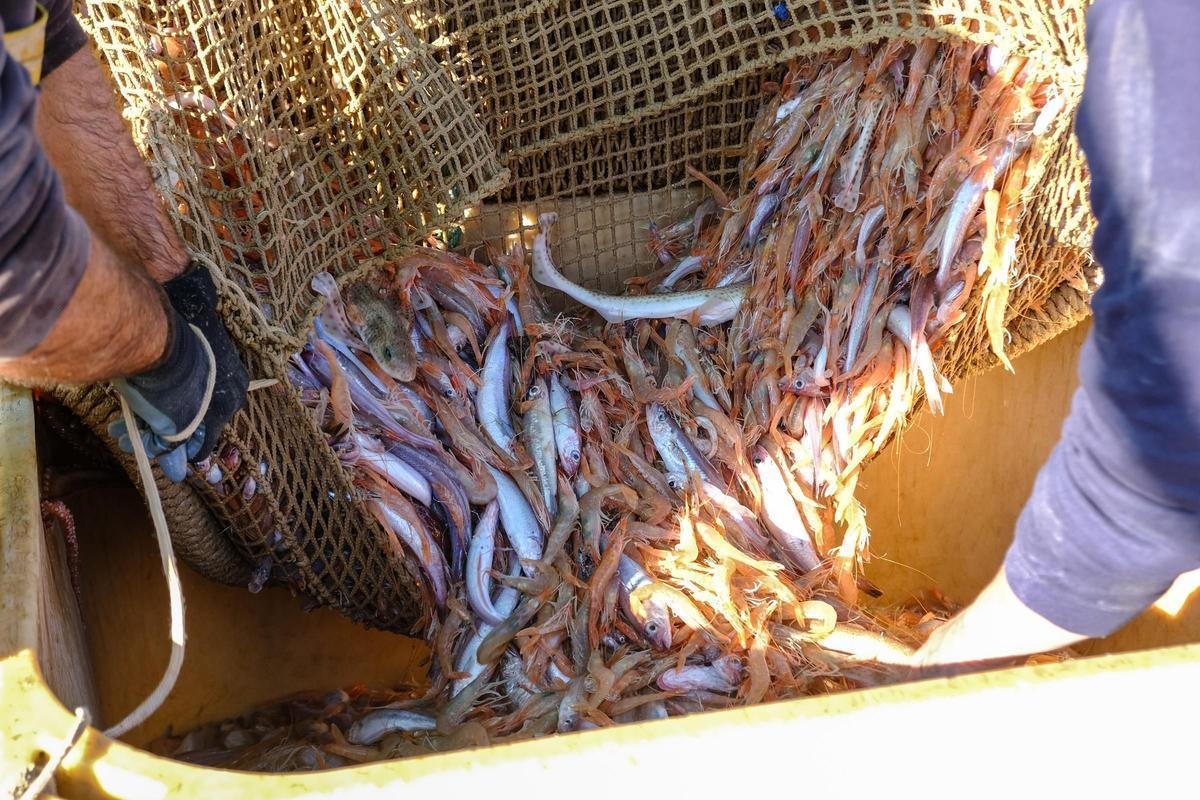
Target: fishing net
x=300 y=137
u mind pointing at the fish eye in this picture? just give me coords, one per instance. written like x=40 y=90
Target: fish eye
x=651 y=627
x=534 y=390
x=447 y=393
x=388 y=353
x=573 y=455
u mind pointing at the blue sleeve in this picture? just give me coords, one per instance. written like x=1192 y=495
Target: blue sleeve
x=1114 y=516
x=44 y=244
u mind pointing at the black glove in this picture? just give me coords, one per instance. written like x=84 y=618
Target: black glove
x=195 y=297
x=170 y=397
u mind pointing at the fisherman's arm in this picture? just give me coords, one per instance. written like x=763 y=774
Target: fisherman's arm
x=1114 y=516
x=71 y=310
x=102 y=173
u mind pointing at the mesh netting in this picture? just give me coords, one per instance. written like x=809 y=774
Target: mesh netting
x=286 y=504
x=194 y=532
x=305 y=136
x=290 y=134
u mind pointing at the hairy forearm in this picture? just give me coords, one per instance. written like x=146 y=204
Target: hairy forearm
x=102 y=173
x=114 y=325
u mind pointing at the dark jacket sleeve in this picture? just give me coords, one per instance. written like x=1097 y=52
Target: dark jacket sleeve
x=64 y=35
x=43 y=243
x=1114 y=516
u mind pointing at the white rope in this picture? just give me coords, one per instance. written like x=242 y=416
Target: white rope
x=169 y=567
x=210 y=384
x=174 y=587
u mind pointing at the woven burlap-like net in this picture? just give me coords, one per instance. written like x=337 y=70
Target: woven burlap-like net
x=296 y=137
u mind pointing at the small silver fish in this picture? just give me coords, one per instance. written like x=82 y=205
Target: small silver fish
x=651 y=617
x=480 y=555
x=781 y=515
x=378 y=724
x=520 y=523
x=567 y=439
x=685 y=458
x=492 y=398
x=711 y=306
x=539 y=438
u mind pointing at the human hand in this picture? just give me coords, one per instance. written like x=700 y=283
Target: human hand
x=194 y=296
x=998 y=629
x=185 y=400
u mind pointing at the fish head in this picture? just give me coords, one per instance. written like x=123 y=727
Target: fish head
x=458 y=338
x=570 y=458
x=762 y=461
x=730 y=668
x=613 y=640
x=442 y=384
x=538 y=392
x=804 y=383
x=324 y=284
x=420 y=298
x=658 y=420
x=658 y=630
x=652 y=619
x=396 y=358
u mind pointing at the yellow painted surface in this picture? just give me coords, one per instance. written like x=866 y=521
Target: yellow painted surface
x=943 y=502
x=241 y=648
x=943 y=499
x=1035 y=731
x=28 y=44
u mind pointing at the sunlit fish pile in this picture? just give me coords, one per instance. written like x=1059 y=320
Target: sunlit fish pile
x=654 y=514
x=879 y=189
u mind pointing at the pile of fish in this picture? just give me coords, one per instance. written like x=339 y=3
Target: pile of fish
x=357 y=725
x=879 y=189
x=655 y=514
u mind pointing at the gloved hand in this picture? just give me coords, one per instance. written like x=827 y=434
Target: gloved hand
x=174 y=396
x=195 y=297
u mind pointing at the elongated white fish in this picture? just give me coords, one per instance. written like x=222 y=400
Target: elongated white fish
x=712 y=306
x=479 y=565
x=492 y=398
x=378 y=724
x=567 y=441
x=395 y=470
x=467 y=661
x=520 y=523
x=781 y=515
x=418 y=540
x=539 y=438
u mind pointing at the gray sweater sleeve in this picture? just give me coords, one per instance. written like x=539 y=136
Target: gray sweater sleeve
x=44 y=244
x=1114 y=516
